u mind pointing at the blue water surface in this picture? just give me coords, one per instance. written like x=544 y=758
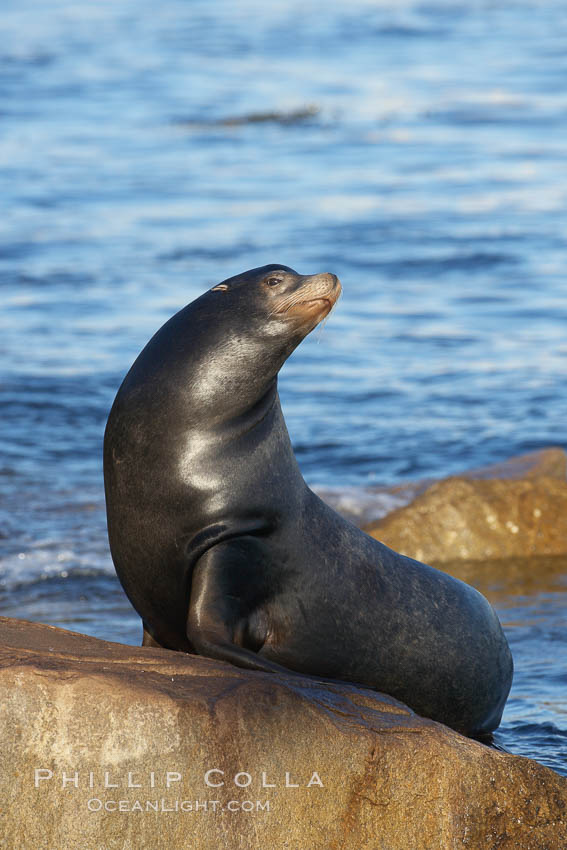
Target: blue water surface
x=416 y=149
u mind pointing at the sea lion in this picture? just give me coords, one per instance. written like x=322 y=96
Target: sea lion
x=224 y=551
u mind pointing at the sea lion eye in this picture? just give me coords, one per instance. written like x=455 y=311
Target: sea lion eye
x=273 y=281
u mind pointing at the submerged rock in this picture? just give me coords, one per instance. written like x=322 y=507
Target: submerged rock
x=514 y=509
x=110 y=746
x=293 y=116
x=283 y=117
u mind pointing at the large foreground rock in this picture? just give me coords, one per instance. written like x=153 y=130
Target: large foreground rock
x=364 y=771
x=513 y=509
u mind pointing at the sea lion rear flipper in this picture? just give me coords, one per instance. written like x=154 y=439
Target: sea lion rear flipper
x=148 y=639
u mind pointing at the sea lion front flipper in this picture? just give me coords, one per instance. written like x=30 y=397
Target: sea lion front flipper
x=223 y=620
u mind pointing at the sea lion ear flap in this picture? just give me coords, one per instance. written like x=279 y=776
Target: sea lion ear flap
x=221 y=287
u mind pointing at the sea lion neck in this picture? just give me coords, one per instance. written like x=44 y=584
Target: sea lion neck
x=218 y=358
x=234 y=375
x=244 y=420
x=210 y=363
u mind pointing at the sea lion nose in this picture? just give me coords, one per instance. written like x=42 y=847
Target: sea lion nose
x=332 y=280
x=336 y=283
x=333 y=284
x=324 y=285
x=323 y=281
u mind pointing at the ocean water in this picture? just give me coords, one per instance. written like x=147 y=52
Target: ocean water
x=417 y=150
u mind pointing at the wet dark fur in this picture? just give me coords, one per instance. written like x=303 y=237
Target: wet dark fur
x=224 y=551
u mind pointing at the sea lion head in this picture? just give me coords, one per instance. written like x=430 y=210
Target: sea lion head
x=243 y=329
x=222 y=352
x=284 y=303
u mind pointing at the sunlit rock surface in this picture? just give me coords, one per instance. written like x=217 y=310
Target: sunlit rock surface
x=340 y=767
x=513 y=509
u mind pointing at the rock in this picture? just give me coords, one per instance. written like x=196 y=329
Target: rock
x=550 y=462
x=522 y=512
x=364 y=506
x=364 y=770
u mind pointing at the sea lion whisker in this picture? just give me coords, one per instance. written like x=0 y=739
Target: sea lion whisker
x=286 y=304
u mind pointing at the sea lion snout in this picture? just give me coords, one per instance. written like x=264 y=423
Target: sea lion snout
x=325 y=285
x=312 y=298
x=317 y=295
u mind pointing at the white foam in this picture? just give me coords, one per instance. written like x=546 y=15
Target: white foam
x=363 y=505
